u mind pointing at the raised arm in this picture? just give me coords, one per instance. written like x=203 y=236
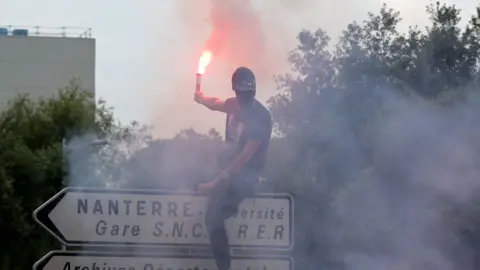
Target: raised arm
x=212 y=103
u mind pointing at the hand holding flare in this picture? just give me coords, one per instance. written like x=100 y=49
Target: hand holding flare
x=202 y=65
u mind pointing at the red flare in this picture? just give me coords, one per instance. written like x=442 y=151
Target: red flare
x=204 y=61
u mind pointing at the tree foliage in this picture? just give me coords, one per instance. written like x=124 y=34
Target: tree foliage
x=33 y=166
x=382 y=105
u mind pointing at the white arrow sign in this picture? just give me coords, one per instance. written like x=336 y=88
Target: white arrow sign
x=69 y=260
x=158 y=218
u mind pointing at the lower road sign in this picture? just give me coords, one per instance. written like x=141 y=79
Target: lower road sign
x=69 y=260
x=115 y=217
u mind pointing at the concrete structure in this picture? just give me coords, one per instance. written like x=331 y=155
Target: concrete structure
x=40 y=61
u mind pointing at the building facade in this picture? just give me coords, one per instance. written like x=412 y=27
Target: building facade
x=41 y=62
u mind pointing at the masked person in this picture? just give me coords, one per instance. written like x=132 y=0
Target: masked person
x=247 y=135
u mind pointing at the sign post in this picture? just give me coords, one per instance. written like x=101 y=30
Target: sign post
x=69 y=260
x=116 y=218
x=94 y=217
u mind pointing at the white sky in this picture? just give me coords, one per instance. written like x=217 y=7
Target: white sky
x=133 y=37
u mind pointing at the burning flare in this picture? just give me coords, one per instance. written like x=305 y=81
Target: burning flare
x=204 y=61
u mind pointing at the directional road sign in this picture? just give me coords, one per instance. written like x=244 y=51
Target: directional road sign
x=70 y=260
x=115 y=217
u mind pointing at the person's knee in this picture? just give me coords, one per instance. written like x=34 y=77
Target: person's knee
x=213 y=220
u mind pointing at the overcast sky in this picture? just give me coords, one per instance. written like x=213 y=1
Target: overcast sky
x=145 y=47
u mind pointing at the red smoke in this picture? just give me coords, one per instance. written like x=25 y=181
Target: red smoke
x=237 y=35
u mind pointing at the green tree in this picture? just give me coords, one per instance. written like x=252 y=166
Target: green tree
x=33 y=166
x=334 y=105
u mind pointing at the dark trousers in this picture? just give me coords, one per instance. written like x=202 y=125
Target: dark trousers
x=223 y=204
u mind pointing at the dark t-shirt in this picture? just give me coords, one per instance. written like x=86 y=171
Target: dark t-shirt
x=243 y=125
